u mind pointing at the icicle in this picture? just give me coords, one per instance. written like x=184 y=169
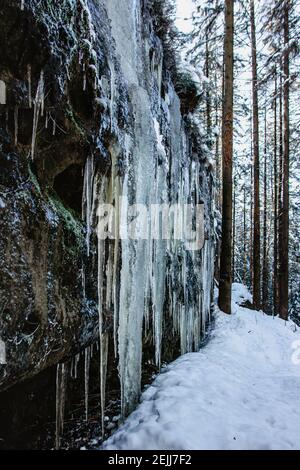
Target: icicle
x=87 y=358
x=84 y=81
x=42 y=101
x=29 y=85
x=16 y=119
x=54 y=127
x=72 y=368
x=88 y=196
x=46 y=121
x=103 y=371
x=83 y=282
x=115 y=265
x=112 y=93
x=103 y=337
x=22 y=5
x=76 y=361
x=38 y=105
x=61 y=382
x=2 y=92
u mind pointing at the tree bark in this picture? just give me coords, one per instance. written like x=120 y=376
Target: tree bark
x=227 y=148
x=233 y=229
x=245 y=238
x=275 y=204
x=256 y=221
x=251 y=216
x=284 y=219
x=265 y=273
x=208 y=98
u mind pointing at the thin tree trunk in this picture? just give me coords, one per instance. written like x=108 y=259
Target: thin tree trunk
x=227 y=148
x=208 y=99
x=251 y=211
x=275 y=203
x=256 y=230
x=284 y=228
x=265 y=273
x=217 y=157
x=233 y=228
x=245 y=237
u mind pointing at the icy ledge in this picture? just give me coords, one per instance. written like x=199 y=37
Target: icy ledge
x=239 y=392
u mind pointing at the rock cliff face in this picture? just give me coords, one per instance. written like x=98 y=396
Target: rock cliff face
x=89 y=115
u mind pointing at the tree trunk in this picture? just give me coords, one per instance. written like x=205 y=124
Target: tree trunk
x=256 y=228
x=265 y=274
x=251 y=216
x=233 y=228
x=217 y=156
x=275 y=203
x=245 y=239
x=284 y=219
x=208 y=99
x=227 y=148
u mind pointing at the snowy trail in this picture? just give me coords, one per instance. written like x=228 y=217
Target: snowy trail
x=241 y=391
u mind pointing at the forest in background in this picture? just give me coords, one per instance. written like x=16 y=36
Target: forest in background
x=250 y=124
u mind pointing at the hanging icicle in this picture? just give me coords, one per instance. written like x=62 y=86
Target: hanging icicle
x=38 y=107
x=112 y=93
x=87 y=359
x=76 y=361
x=88 y=198
x=2 y=92
x=141 y=281
x=29 y=86
x=54 y=127
x=103 y=371
x=61 y=383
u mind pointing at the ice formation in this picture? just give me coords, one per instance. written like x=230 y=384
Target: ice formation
x=143 y=282
x=29 y=85
x=87 y=359
x=151 y=280
x=61 y=382
x=88 y=198
x=2 y=92
x=38 y=110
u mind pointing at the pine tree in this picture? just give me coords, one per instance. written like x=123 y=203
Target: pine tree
x=256 y=219
x=284 y=216
x=227 y=150
x=265 y=271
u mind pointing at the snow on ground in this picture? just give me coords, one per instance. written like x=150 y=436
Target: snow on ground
x=241 y=391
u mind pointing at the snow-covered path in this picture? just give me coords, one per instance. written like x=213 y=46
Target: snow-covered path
x=241 y=391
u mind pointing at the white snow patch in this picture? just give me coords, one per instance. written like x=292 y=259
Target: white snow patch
x=241 y=391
